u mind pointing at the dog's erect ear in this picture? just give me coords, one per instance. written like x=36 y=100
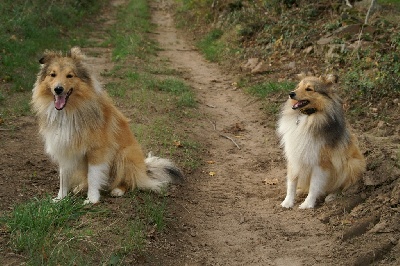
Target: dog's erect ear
x=304 y=74
x=47 y=56
x=301 y=76
x=331 y=78
x=76 y=53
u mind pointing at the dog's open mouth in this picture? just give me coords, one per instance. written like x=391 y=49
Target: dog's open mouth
x=300 y=104
x=61 y=100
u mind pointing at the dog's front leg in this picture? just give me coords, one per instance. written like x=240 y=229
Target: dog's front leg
x=318 y=181
x=291 y=185
x=65 y=175
x=97 y=178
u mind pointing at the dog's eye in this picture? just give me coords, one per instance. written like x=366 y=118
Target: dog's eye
x=70 y=76
x=309 y=89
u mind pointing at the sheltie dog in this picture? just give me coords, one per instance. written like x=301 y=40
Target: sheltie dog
x=322 y=155
x=87 y=136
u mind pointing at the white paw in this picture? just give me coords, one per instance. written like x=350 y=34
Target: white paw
x=57 y=199
x=90 y=201
x=287 y=203
x=307 y=204
x=93 y=197
x=117 y=192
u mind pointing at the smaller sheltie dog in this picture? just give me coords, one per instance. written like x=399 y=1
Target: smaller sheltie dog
x=87 y=136
x=322 y=156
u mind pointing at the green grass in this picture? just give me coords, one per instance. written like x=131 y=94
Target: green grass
x=134 y=24
x=27 y=29
x=266 y=89
x=151 y=207
x=184 y=94
x=41 y=229
x=210 y=45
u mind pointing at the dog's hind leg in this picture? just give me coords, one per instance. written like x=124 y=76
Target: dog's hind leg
x=319 y=179
x=118 y=191
x=291 y=185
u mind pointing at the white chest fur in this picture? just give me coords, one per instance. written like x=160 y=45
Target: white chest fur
x=300 y=144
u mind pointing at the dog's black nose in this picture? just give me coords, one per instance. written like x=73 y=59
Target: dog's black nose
x=58 y=90
x=292 y=95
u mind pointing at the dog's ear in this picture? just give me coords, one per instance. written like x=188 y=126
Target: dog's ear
x=47 y=56
x=76 y=54
x=304 y=74
x=301 y=75
x=42 y=60
x=331 y=78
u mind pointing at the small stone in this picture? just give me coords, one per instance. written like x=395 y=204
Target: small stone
x=381 y=124
x=308 y=50
x=260 y=68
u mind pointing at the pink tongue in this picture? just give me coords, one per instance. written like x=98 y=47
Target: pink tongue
x=60 y=101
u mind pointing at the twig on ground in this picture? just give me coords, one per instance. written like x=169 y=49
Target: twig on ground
x=213 y=123
x=230 y=140
x=186 y=50
x=224 y=136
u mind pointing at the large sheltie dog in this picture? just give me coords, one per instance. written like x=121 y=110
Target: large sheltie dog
x=322 y=156
x=87 y=136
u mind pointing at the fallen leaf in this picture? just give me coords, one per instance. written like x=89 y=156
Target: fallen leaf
x=211 y=173
x=271 y=182
x=210 y=162
x=346 y=222
x=177 y=143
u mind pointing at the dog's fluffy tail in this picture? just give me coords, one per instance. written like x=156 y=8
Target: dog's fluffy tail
x=160 y=172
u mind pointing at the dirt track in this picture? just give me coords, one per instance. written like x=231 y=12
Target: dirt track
x=228 y=212
x=232 y=217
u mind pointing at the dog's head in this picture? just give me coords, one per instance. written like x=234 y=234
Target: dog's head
x=62 y=78
x=312 y=93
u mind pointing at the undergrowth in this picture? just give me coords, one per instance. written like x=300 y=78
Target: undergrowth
x=272 y=30
x=27 y=29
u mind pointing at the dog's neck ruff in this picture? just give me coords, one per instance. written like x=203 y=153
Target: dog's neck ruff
x=304 y=111
x=308 y=111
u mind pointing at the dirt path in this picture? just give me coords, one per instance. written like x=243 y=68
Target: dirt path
x=225 y=214
x=229 y=216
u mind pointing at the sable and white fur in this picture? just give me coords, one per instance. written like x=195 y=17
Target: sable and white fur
x=322 y=155
x=87 y=136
